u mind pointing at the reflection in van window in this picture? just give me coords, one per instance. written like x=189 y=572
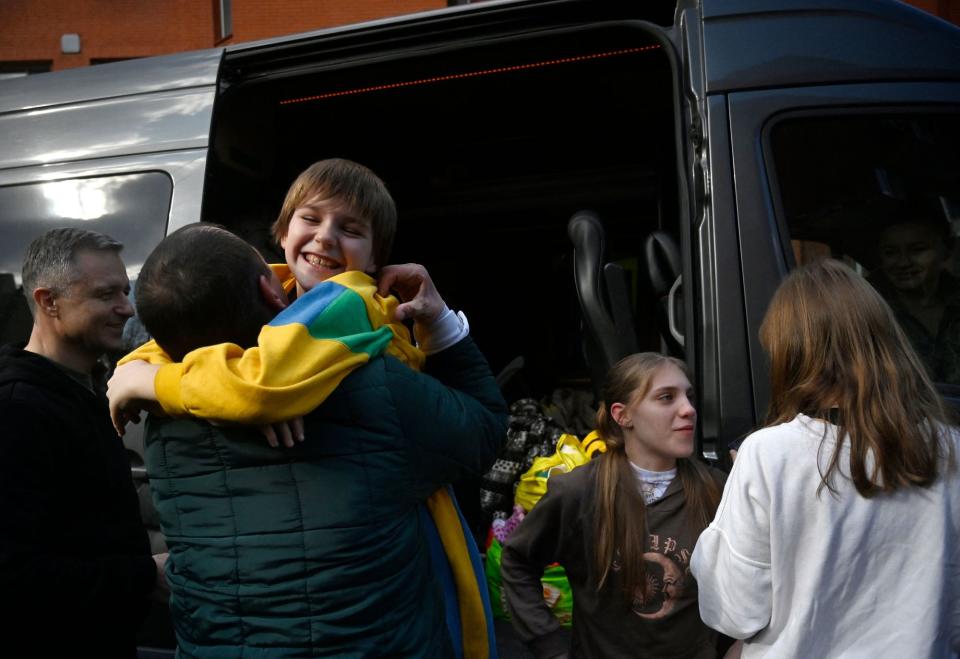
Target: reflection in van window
x=805 y=251
x=132 y=208
x=15 y=319
x=881 y=192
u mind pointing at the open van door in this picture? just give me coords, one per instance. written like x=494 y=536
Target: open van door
x=492 y=125
x=817 y=118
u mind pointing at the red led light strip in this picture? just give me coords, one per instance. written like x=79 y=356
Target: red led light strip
x=471 y=74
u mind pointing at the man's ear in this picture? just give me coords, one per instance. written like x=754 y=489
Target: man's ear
x=619 y=413
x=46 y=302
x=271 y=293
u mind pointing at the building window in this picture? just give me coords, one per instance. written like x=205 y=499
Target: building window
x=23 y=68
x=94 y=61
x=222 y=19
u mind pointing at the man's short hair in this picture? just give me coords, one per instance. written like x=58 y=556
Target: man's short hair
x=200 y=287
x=350 y=182
x=50 y=258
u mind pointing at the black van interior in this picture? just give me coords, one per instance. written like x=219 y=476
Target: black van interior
x=489 y=151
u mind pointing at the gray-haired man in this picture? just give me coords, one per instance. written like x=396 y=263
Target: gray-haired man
x=75 y=564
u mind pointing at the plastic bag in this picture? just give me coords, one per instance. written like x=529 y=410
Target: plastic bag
x=556 y=588
x=530 y=435
x=569 y=455
x=593 y=444
x=533 y=483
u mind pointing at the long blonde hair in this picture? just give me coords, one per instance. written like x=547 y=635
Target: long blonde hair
x=620 y=533
x=837 y=353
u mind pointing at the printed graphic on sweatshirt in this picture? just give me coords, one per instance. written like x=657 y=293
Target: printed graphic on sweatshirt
x=666 y=566
x=664 y=587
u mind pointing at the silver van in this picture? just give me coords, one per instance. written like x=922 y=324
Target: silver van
x=585 y=178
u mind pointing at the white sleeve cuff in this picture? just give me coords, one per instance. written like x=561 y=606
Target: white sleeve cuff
x=447 y=329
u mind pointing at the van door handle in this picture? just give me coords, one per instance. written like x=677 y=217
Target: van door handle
x=671 y=314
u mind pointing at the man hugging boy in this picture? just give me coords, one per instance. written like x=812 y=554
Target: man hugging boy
x=350 y=540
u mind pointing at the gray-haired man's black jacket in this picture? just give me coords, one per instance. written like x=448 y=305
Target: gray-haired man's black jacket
x=75 y=564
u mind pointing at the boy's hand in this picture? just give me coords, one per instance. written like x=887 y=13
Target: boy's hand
x=161 y=589
x=733 y=652
x=419 y=297
x=283 y=431
x=272 y=292
x=130 y=387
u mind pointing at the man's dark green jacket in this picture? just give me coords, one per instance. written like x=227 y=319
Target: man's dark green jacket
x=318 y=550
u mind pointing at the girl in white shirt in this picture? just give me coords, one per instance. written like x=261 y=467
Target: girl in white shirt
x=838 y=534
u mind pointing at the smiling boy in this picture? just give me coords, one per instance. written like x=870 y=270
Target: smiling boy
x=913 y=249
x=329 y=219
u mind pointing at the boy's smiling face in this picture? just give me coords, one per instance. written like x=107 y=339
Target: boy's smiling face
x=326 y=237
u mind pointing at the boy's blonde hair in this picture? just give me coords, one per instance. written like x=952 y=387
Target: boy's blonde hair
x=355 y=185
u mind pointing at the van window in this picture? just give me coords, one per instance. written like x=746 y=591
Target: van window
x=881 y=192
x=132 y=208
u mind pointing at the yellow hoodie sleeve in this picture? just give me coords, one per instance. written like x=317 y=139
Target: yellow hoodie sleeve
x=148 y=352
x=300 y=358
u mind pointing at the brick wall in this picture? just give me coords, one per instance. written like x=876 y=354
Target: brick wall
x=945 y=9
x=260 y=19
x=30 y=30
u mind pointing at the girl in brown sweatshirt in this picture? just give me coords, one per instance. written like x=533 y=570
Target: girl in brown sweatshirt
x=623 y=527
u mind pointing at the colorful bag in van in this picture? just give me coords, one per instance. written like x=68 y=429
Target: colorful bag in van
x=569 y=455
x=556 y=588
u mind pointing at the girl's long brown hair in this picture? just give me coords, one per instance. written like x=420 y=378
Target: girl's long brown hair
x=837 y=353
x=620 y=531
